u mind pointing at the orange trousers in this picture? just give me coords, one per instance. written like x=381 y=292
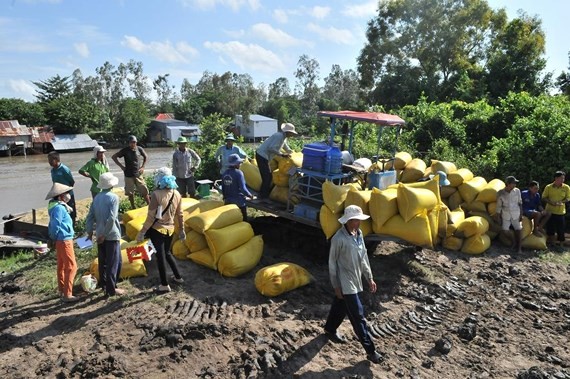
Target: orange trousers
x=66 y=267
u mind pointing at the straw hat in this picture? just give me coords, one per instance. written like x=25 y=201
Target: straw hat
x=57 y=189
x=352 y=212
x=287 y=127
x=107 y=180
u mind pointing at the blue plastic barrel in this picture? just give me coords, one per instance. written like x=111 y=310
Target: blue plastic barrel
x=333 y=164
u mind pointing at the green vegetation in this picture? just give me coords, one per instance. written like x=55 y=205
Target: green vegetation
x=556 y=257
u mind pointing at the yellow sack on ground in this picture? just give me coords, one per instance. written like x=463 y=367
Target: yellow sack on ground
x=447 y=167
x=456 y=216
x=416 y=231
x=489 y=193
x=492 y=235
x=135 y=213
x=128 y=270
x=432 y=185
x=492 y=208
x=455 y=200
x=476 y=244
x=366 y=227
x=413 y=201
x=442 y=220
x=460 y=176
x=281 y=277
x=216 y=218
x=180 y=250
x=200 y=207
x=507 y=237
x=472 y=226
x=453 y=243
x=493 y=225
x=203 y=258
x=469 y=190
x=329 y=221
x=241 y=259
x=134 y=226
x=414 y=171
x=534 y=242
x=433 y=218
x=280 y=194
x=401 y=159
x=475 y=206
x=383 y=206
x=280 y=179
x=195 y=241
x=527 y=227
x=359 y=198
x=187 y=202
x=284 y=164
x=251 y=175
x=222 y=240
x=335 y=195
x=447 y=191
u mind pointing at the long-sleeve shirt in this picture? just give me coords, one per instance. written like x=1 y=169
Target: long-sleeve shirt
x=184 y=163
x=556 y=194
x=509 y=204
x=94 y=168
x=273 y=146
x=348 y=261
x=161 y=198
x=224 y=152
x=62 y=174
x=233 y=187
x=60 y=226
x=103 y=216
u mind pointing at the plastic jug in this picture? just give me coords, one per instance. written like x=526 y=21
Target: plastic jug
x=333 y=163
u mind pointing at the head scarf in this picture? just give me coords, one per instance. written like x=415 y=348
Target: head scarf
x=163 y=178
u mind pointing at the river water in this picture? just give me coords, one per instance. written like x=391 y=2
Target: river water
x=26 y=180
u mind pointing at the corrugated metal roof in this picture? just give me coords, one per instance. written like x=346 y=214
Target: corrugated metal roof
x=258 y=117
x=193 y=128
x=171 y=121
x=41 y=135
x=73 y=142
x=12 y=128
x=164 y=116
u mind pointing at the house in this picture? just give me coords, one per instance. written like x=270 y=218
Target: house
x=168 y=130
x=72 y=142
x=257 y=128
x=14 y=138
x=42 y=138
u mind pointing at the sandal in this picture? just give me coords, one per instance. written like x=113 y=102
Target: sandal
x=176 y=280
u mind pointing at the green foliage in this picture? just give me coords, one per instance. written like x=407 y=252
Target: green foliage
x=29 y=114
x=132 y=118
x=71 y=114
x=214 y=131
x=52 y=89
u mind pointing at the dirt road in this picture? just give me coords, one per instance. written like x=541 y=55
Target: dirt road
x=435 y=315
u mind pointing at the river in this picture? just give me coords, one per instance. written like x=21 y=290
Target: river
x=26 y=180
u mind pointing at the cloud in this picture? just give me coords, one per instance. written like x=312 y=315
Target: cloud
x=235 y=34
x=319 y=12
x=16 y=37
x=364 y=10
x=23 y=88
x=81 y=49
x=332 y=34
x=280 y=15
x=249 y=57
x=235 y=5
x=275 y=36
x=163 y=51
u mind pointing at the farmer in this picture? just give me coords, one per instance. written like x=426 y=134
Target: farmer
x=60 y=230
x=348 y=262
x=556 y=195
x=94 y=168
x=185 y=162
x=164 y=209
x=274 y=145
x=509 y=211
x=224 y=152
x=532 y=207
x=60 y=173
x=135 y=159
x=103 y=218
x=233 y=185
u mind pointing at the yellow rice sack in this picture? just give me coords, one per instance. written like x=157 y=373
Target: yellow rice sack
x=534 y=242
x=447 y=167
x=241 y=259
x=414 y=171
x=200 y=207
x=460 y=176
x=492 y=208
x=471 y=226
x=477 y=244
x=401 y=159
x=416 y=231
x=134 y=213
x=527 y=227
x=432 y=185
x=280 y=194
x=383 y=206
x=216 y=218
x=469 y=190
x=442 y=220
x=134 y=226
x=329 y=221
x=413 y=201
x=456 y=216
x=280 y=179
x=447 y=191
x=281 y=277
x=433 y=218
x=492 y=235
x=195 y=241
x=475 y=206
x=453 y=243
x=179 y=249
x=455 y=200
x=507 y=237
x=335 y=195
x=222 y=240
x=359 y=198
x=128 y=270
x=187 y=202
x=204 y=258
x=366 y=227
x=251 y=175
x=489 y=193
x=493 y=225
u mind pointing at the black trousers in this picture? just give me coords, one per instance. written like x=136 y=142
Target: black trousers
x=266 y=178
x=556 y=224
x=162 y=243
x=110 y=264
x=352 y=306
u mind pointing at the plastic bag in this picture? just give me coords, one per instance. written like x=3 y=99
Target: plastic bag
x=88 y=283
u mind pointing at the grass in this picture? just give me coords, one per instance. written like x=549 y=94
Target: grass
x=558 y=257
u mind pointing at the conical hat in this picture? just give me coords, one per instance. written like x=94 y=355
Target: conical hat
x=57 y=189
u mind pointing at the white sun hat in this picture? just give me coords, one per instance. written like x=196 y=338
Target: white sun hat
x=57 y=189
x=107 y=180
x=287 y=127
x=352 y=212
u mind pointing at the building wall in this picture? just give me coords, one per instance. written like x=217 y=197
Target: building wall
x=258 y=129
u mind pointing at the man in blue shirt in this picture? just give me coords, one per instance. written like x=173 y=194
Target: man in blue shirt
x=532 y=207
x=224 y=152
x=233 y=185
x=60 y=173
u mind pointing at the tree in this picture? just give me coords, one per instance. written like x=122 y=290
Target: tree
x=72 y=115
x=563 y=80
x=342 y=89
x=307 y=90
x=132 y=118
x=166 y=98
x=52 y=88
x=279 y=88
x=189 y=110
x=30 y=114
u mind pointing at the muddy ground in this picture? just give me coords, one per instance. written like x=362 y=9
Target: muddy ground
x=437 y=314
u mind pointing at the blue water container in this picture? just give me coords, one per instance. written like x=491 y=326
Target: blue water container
x=333 y=164
x=314 y=156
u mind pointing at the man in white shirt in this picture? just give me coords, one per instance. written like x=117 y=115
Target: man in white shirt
x=509 y=210
x=274 y=145
x=185 y=162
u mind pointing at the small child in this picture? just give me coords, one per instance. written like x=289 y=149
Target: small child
x=233 y=185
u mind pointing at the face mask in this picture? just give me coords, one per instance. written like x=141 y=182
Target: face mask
x=66 y=197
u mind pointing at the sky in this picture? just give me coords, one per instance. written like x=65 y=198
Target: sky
x=40 y=39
